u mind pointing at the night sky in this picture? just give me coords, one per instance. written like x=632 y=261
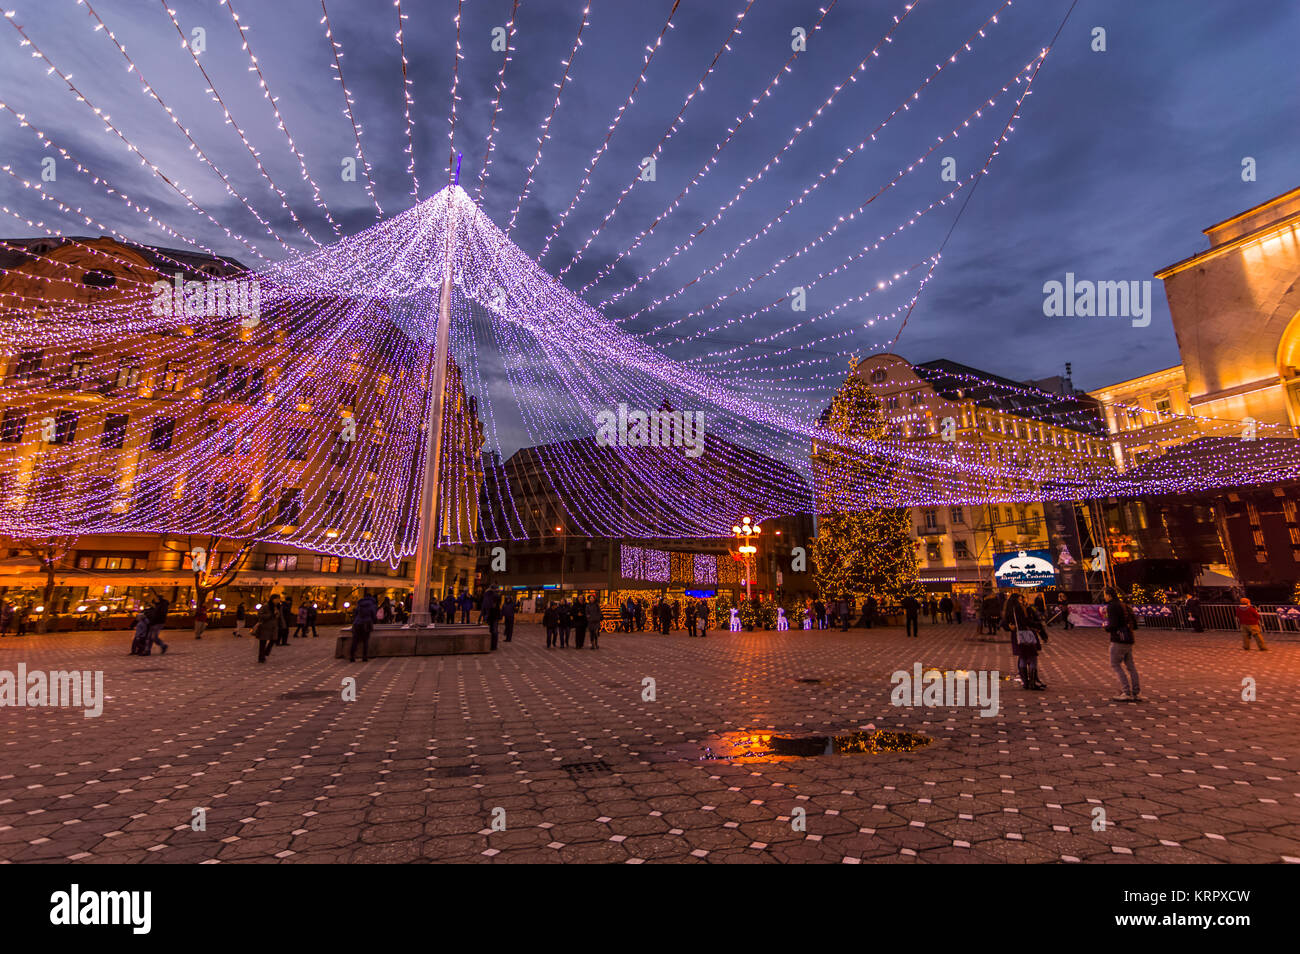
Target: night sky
x=1118 y=160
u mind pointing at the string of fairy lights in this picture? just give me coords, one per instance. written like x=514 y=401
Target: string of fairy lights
x=165 y=390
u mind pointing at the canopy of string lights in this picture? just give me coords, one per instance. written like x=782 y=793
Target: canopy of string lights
x=293 y=398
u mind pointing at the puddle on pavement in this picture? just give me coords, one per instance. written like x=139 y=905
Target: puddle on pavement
x=771 y=745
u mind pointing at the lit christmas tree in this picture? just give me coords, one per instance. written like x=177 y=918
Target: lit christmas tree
x=859 y=551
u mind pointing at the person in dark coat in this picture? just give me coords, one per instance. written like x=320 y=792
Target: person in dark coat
x=843 y=611
x=690 y=618
x=508 y=608
x=1063 y=604
x=640 y=616
x=286 y=622
x=565 y=623
x=594 y=619
x=466 y=605
x=663 y=616
x=1019 y=619
x=869 y=610
x=267 y=627
x=911 y=616
x=311 y=621
x=363 y=623
x=492 y=612
x=449 y=608
x=1120 y=623
x=945 y=608
x=1192 y=609
x=551 y=620
x=579 y=622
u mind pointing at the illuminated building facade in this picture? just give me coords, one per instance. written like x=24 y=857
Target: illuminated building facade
x=999 y=422
x=1236 y=313
x=139 y=393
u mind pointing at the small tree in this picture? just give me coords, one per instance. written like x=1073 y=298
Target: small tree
x=208 y=576
x=48 y=552
x=858 y=549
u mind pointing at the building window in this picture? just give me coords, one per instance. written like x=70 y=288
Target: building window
x=956 y=514
x=98 y=278
x=892 y=402
x=1163 y=404
x=27 y=366
x=289 y=506
x=13 y=424
x=961 y=550
x=281 y=562
x=79 y=367
x=324 y=564
x=160 y=437
x=878 y=375
x=931 y=520
x=915 y=398
x=296 y=445
x=65 y=427
x=114 y=431
x=933 y=552
x=128 y=376
x=173 y=377
x=333 y=505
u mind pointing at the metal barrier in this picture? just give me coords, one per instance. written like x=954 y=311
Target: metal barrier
x=1223 y=616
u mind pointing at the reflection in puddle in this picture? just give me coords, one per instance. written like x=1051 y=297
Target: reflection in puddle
x=768 y=745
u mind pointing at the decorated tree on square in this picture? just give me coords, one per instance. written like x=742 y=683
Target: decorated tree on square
x=858 y=551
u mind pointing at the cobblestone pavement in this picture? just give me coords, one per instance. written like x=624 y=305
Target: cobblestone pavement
x=586 y=771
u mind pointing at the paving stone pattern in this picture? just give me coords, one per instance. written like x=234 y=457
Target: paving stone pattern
x=586 y=771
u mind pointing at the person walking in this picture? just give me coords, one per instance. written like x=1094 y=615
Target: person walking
x=594 y=619
x=311 y=621
x=677 y=615
x=200 y=619
x=24 y=614
x=640 y=616
x=140 y=638
x=491 y=612
x=1120 y=623
x=158 y=619
x=579 y=622
x=690 y=618
x=384 y=614
x=911 y=616
x=1063 y=603
x=286 y=622
x=551 y=620
x=663 y=616
x=267 y=627
x=1248 y=617
x=466 y=605
x=1027 y=635
x=300 y=631
x=1192 y=610
x=508 y=608
x=6 y=617
x=566 y=623
x=869 y=610
x=363 y=623
x=241 y=621
x=844 y=611
x=449 y=608
x=945 y=608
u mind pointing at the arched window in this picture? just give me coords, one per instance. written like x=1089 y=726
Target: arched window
x=98 y=278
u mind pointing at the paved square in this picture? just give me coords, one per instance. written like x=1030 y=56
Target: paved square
x=561 y=745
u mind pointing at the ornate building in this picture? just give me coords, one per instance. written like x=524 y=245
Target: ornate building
x=997 y=422
x=137 y=395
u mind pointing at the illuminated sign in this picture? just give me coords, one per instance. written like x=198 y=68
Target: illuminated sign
x=1024 y=568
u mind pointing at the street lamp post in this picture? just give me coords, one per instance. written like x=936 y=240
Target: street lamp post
x=564 y=554
x=747 y=531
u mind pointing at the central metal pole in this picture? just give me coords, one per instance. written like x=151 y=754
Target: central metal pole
x=430 y=489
